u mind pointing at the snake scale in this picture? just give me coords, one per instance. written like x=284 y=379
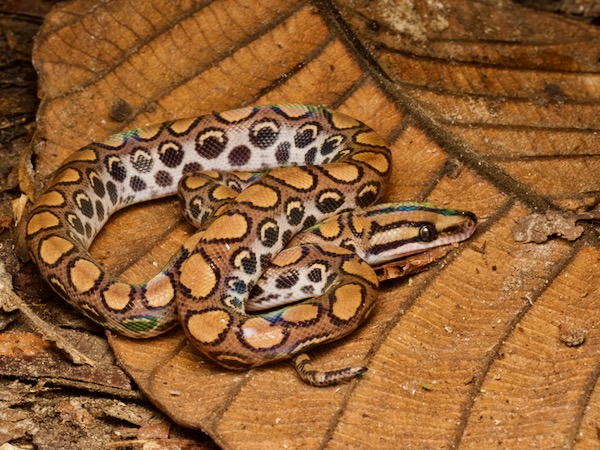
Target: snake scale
x=252 y=180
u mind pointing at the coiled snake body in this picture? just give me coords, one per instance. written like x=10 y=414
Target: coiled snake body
x=259 y=176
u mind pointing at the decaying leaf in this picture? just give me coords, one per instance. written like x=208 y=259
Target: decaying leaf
x=10 y=301
x=508 y=93
x=539 y=227
x=18 y=206
x=411 y=264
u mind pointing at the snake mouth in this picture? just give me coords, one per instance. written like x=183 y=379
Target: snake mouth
x=457 y=233
x=463 y=231
x=412 y=264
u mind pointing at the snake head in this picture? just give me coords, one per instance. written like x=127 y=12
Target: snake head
x=396 y=230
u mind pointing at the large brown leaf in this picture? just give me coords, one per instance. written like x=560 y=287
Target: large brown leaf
x=487 y=106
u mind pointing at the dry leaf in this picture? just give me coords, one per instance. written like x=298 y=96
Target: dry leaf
x=411 y=264
x=539 y=227
x=509 y=93
x=18 y=207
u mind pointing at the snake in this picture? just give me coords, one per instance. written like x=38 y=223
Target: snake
x=284 y=197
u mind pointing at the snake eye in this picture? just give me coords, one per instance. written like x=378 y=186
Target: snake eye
x=427 y=233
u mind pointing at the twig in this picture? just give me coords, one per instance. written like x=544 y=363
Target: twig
x=10 y=301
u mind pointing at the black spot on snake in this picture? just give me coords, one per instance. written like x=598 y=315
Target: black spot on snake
x=141 y=159
x=137 y=184
x=329 y=200
x=211 y=142
x=264 y=133
x=331 y=143
x=83 y=203
x=287 y=280
x=192 y=167
x=307 y=134
x=205 y=217
x=367 y=194
x=309 y=222
x=163 y=178
x=282 y=154
x=93 y=314
x=170 y=153
x=100 y=210
x=112 y=192
x=308 y=290
x=265 y=260
x=211 y=193
x=239 y=156
x=115 y=168
x=310 y=156
x=75 y=223
x=268 y=232
x=195 y=206
x=244 y=259
x=286 y=237
x=257 y=291
x=97 y=184
x=294 y=211
x=236 y=285
x=315 y=275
